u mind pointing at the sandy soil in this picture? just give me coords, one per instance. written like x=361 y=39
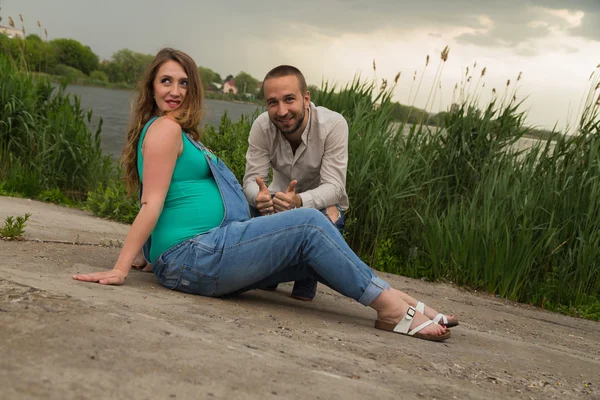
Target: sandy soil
x=63 y=339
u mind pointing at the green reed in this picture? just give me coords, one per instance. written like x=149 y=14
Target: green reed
x=462 y=204
x=45 y=139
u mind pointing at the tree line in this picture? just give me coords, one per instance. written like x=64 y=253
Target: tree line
x=72 y=59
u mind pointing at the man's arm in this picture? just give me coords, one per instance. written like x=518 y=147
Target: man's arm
x=257 y=161
x=333 y=170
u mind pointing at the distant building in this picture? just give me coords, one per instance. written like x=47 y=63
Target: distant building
x=215 y=87
x=229 y=87
x=11 y=32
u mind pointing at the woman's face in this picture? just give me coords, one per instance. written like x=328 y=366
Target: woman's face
x=170 y=86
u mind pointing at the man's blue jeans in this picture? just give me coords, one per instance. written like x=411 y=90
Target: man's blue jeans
x=259 y=252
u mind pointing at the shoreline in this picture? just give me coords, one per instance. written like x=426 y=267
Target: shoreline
x=57 y=79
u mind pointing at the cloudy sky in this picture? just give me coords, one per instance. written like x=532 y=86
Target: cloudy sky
x=554 y=44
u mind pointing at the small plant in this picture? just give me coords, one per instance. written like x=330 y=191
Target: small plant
x=385 y=257
x=5 y=192
x=112 y=201
x=111 y=243
x=14 y=228
x=54 y=196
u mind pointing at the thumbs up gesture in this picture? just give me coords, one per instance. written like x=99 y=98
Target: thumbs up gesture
x=287 y=200
x=264 y=204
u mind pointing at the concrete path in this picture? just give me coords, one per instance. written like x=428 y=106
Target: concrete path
x=63 y=339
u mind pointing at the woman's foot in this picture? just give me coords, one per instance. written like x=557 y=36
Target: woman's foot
x=394 y=318
x=140 y=263
x=392 y=311
x=147 y=268
x=448 y=321
x=428 y=311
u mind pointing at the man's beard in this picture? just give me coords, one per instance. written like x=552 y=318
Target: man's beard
x=295 y=128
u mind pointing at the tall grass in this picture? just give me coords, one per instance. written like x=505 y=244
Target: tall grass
x=45 y=142
x=461 y=204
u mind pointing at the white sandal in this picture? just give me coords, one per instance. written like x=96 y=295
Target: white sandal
x=403 y=327
x=440 y=317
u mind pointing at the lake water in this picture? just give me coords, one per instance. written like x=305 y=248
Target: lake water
x=524 y=143
x=113 y=107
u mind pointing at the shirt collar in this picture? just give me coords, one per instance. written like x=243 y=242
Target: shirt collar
x=307 y=128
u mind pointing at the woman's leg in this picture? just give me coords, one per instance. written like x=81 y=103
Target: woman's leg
x=286 y=247
x=246 y=253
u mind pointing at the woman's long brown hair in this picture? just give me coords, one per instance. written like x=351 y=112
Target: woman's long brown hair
x=188 y=115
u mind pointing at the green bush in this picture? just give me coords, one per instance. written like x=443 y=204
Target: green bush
x=54 y=196
x=74 y=54
x=230 y=142
x=99 y=76
x=112 y=201
x=67 y=72
x=45 y=140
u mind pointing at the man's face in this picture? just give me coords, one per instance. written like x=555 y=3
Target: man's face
x=286 y=105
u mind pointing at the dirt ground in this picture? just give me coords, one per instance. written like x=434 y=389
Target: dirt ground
x=63 y=339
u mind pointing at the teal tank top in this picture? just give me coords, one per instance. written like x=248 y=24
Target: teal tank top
x=193 y=204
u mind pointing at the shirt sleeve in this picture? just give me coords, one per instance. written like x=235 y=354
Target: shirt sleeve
x=257 y=161
x=333 y=170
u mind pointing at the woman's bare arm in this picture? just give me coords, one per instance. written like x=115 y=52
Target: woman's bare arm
x=161 y=146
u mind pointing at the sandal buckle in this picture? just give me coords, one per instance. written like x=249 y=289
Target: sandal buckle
x=410 y=313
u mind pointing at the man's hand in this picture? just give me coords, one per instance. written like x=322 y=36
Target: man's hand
x=288 y=200
x=264 y=203
x=112 y=277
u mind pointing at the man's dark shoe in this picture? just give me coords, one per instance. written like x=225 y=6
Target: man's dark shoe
x=269 y=288
x=305 y=290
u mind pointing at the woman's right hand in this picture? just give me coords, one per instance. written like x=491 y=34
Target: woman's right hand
x=112 y=277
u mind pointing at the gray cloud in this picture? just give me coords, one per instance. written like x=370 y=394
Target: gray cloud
x=511 y=28
x=590 y=28
x=361 y=16
x=216 y=28
x=506 y=34
x=515 y=29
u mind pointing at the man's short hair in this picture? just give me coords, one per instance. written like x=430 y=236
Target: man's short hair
x=287 y=70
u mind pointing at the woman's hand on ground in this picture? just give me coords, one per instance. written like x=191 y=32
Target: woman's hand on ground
x=112 y=277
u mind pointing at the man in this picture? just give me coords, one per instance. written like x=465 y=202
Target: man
x=306 y=147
